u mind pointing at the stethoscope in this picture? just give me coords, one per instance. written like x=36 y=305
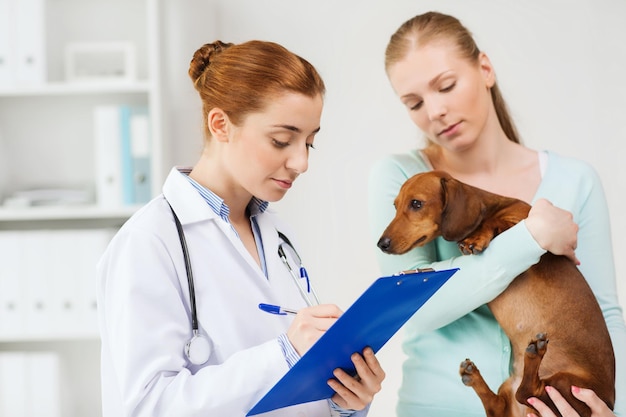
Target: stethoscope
x=198 y=348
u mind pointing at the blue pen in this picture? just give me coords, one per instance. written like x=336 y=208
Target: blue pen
x=274 y=309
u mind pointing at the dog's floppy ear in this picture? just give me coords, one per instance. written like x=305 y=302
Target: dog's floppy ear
x=461 y=213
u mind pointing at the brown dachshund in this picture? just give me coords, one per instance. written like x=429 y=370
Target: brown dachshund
x=551 y=299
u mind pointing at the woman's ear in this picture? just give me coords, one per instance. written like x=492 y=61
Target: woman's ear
x=218 y=124
x=487 y=70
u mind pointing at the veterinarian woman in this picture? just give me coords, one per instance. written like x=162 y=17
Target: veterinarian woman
x=449 y=90
x=169 y=352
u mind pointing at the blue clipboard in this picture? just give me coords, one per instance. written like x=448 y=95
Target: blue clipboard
x=371 y=321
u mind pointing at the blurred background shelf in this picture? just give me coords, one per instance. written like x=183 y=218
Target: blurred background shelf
x=65 y=213
x=76 y=88
x=47 y=142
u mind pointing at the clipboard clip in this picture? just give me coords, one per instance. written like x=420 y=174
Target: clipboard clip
x=414 y=271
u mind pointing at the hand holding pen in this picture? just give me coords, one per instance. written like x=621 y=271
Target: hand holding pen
x=309 y=323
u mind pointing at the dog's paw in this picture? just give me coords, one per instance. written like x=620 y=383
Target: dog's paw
x=472 y=246
x=468 y=371
x=538 y=346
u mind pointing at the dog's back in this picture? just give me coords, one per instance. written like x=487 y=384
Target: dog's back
x=551 y=301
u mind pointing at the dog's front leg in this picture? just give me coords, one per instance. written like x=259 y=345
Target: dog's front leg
x=478 y=240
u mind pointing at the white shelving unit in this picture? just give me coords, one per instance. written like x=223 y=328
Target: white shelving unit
x=47 y=141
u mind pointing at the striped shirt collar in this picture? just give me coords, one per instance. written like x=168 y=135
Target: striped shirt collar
x=217 y=204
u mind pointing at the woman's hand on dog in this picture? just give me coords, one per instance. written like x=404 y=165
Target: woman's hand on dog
x=553 y=229
x=598 y=407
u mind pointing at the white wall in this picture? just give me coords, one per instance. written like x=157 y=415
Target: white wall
x=560 y=65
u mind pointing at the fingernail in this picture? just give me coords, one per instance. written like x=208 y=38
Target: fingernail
x=548 y=388
x=531 y=401
x=575 y=389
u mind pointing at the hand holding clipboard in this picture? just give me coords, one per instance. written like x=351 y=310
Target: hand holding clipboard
x=370 y=321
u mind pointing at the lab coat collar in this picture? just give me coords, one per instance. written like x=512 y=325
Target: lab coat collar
x=188 y=204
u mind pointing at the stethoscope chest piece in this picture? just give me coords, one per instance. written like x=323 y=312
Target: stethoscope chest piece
x=198 y=349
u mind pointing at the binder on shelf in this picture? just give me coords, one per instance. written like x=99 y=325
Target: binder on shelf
x=107 y=128
x=38 y=305
x=371 y=321
x=30 y=42
x=93 y=243
x=140 y=151
x=42 y=384
x=126 y=174
x=135 y=148
x=11 y=284
x=66 y=247
x=7 y=42
x=13 y=384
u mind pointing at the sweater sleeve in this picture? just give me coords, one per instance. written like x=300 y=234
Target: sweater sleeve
x=480 y=278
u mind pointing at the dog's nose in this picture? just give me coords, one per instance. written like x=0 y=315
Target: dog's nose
x=384 y=243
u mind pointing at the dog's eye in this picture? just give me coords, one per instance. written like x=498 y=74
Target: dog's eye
x=416 y=204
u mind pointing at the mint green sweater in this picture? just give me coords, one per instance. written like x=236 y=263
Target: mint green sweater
x=456 y=323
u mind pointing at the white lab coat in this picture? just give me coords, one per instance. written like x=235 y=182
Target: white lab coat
x=145 y=320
